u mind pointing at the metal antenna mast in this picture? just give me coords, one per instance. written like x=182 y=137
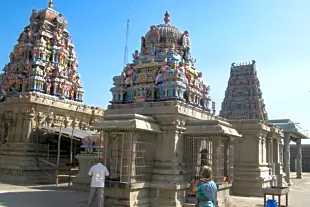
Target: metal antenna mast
x=126 y=40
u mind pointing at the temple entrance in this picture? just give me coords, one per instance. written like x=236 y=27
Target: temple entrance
x=129 y=155
x=216 y=152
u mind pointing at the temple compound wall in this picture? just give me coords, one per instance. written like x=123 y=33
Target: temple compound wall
x=21 y=118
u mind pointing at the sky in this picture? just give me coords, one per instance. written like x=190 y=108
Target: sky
x=274 y=33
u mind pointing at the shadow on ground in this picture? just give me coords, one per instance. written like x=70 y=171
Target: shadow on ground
x=43 y=198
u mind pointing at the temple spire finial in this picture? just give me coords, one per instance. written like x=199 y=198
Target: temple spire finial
x=167 y=17
x=50 y=4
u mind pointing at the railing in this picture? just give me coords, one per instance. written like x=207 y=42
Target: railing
x=49 y=171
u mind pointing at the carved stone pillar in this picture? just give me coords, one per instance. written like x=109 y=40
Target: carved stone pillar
x=269 y=157
x=216 y=149
x=299 y=159
x=286 y=157
x=19 y=127
x=14 y=126
x=2 y=138
x=8 y=138
x=28 y=124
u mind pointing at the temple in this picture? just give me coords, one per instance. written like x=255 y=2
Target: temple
x=41 y=102
x=160 y=127
x=243 y=96
x=44 y=60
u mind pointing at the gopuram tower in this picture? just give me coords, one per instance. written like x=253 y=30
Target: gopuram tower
x=44 y=59
x=257 y=162
x=41 y=91
x=160 y=127
x=243 y=96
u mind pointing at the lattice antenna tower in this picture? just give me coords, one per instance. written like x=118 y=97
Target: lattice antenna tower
x=126 y=40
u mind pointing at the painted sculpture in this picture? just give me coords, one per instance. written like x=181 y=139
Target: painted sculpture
x=243 y=96
x=162 y=70
x=44 y=60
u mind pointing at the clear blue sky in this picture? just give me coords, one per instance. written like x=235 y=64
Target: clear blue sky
x=276 y=33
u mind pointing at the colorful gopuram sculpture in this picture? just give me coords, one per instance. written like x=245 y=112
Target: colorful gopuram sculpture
x=44 y=59
x=243 y=96
x=162 y=70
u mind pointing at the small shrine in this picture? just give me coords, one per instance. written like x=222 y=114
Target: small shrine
x=162 y=70
x=44 y=60
x=160 y=128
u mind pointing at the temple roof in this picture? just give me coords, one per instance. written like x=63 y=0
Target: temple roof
x=162 y=70
x=289 y=126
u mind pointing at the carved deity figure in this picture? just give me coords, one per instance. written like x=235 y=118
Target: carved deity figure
x=135 y=55
x=129 y=73
x=48 y=87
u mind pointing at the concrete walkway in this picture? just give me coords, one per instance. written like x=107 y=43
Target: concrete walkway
x=51 y=196
x=299 y=195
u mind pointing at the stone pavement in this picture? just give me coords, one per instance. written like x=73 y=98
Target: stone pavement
x=51 y=196
x=299 y=195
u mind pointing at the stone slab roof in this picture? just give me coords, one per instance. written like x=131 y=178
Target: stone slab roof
x=289 y=126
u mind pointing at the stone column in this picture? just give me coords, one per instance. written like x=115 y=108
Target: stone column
x=216 y=159
x=82 y=180
x=27 y=126
x=269 y=156
x=8 y=138
x=286 y=157
x=299 y=159
x=168 y=172
x=276 y=150
x=19 y=128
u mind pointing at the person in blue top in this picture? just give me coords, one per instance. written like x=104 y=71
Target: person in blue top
x=205 y=189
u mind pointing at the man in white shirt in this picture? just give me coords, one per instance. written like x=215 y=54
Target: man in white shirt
x=98 y=172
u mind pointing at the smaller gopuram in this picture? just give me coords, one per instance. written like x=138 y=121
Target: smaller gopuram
x=243 y=96
x=160 y=127
x=41 y=90
x=257 y=158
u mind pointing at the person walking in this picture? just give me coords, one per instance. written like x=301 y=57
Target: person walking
x=98 y=172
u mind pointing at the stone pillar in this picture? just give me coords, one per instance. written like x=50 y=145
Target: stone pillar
x=269 y=155
x=216 y=159
x=286 y=157
x=27 y=126
x=299 y=159
x=8 y=138
x=276 y=150
x=19 y=128
x=2 y=132
x=168 y=184
x=82 y=180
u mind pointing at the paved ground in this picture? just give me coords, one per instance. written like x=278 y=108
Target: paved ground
x=51 y=196
x=299 y=195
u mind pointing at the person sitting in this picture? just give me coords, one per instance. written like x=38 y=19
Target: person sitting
x=205 y=190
